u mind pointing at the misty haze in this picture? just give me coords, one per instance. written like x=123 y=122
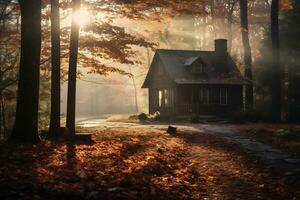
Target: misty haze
x=151 y=99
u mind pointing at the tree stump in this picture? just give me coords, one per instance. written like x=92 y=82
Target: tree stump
x=172 y=130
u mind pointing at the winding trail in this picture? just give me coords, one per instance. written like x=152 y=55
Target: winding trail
x=275 y=159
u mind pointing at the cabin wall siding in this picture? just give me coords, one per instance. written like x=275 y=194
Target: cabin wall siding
x=161 y=81
x=189 y=99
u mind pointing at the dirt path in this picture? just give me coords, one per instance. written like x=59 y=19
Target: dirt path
x=277 y=160
x=228 y=172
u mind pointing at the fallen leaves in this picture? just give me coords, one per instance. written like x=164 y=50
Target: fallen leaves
x=130 y=164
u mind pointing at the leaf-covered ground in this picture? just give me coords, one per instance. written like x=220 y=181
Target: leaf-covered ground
x=140 y=163
x=282 y=136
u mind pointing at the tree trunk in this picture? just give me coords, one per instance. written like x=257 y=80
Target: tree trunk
x=231 y=5
x=1 y=133
x=135 y=90
x=55 y=76
x=25 y=129
x=3 y=110
x=212 y=10
x=71 y=102
x=276 y=72
x=293 y=114
x=247 y=52
x=229 y=33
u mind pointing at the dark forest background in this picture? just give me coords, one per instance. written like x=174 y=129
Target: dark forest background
x=116 y=46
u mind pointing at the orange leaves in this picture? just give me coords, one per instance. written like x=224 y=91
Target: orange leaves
x=156 y=9
x=127 y=171
x=286 y=5
x=210 y=178
x=128 y=163
x=104 y=41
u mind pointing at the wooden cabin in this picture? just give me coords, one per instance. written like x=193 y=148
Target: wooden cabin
x=183 y=82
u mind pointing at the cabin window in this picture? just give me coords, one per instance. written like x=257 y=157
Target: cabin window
x=163 y=98
x=204 y=95
x=166 y=93
x=169 y=97
x=197 y=68
x=223 y=96
x=160 y=98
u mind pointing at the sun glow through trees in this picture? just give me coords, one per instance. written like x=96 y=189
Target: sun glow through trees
x=82 y=17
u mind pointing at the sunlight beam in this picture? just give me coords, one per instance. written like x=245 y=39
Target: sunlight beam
x=82 y=17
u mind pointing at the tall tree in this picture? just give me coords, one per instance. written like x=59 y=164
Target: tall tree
x=247 y=51
x=26 y=123
x=276 y=72
x=71 y=102
x=230 y=15
x=55 y=76
x=135 y=90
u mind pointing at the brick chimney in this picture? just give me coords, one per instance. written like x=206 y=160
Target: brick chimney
x=221 y=55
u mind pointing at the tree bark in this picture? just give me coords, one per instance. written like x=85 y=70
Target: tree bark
x=247 y=52
x=135 y=90
x=231 y=5
x=3 y=111
x=229 y=33
x=25 y=128
x=71 y=101
x=276 y=72
x=1 y=133
x=212 y=10
x=55 y=76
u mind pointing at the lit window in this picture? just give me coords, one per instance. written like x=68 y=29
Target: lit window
x=163 y=98
x=166 y=98
x=160 y=98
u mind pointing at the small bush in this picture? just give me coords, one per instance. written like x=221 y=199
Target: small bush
x=156 y=116
x=142 y=117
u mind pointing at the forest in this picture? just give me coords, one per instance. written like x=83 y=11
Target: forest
x=107 y=48
x=69 y=64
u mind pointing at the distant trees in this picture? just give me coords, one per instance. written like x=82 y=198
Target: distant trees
x=106 y=41
x=276 y=71
x=55 y=68
x=9 y=55
x=290 y=56
x=26 y=123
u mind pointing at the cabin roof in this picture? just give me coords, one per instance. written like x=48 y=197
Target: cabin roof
x=190 y=61
x=175 y=63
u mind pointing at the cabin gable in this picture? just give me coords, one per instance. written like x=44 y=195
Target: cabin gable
x=157 y=76
x=196 y=65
